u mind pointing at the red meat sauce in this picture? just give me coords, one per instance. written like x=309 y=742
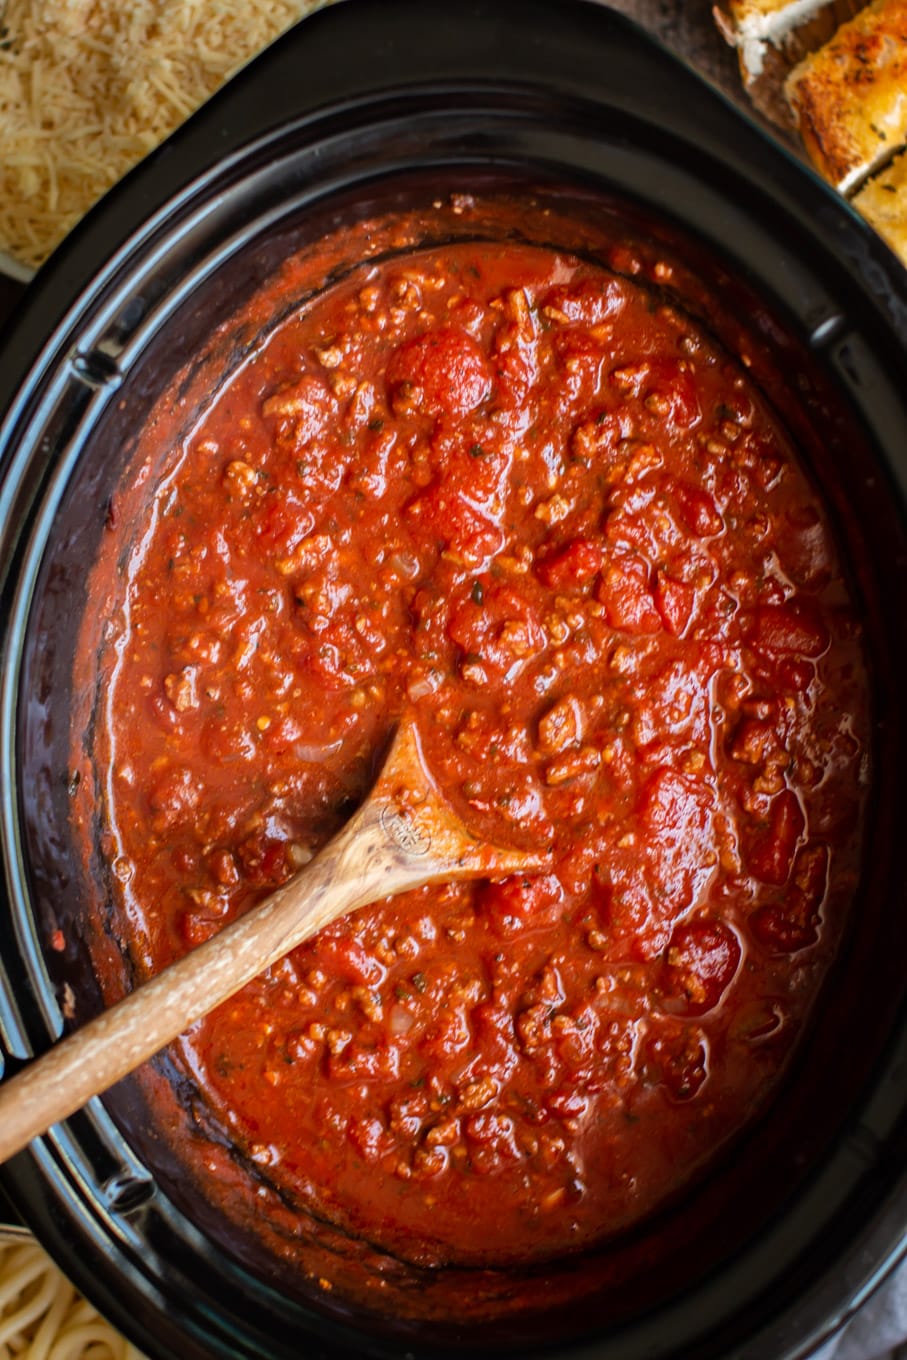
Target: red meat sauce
x=525 y=497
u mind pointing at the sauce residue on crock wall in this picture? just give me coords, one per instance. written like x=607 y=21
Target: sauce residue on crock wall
x=525 y=495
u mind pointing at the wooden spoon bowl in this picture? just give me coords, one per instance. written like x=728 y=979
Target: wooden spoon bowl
x=403 y=836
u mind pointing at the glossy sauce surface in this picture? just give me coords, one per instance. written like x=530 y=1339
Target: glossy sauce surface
x=526 y=497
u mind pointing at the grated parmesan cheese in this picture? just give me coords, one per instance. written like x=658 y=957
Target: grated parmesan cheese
x=89 y=87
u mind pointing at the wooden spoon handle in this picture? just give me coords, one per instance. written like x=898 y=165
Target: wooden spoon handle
x=402 y=837
x=117 y=1041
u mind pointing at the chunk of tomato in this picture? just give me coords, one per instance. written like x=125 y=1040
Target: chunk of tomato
x=676 y=1060
x=793 y=922
x=666 y=387
x=675 y=602
x=698 y=511
x=442 y=371
x=624 y=591
x=793 y=629
x=772 y=853
x=700 y=964
x=502 y=630
x=573 y=564
x=520 y=903
x=589 y=302
x=444 y=514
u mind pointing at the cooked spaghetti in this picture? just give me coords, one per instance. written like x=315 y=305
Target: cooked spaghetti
x=42 y=1317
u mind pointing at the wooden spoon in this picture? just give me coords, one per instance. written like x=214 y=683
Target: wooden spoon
x=404 y=835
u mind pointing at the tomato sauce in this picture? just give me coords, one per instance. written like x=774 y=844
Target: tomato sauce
x=525 y=496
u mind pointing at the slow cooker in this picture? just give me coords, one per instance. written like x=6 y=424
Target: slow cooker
x=371 y=104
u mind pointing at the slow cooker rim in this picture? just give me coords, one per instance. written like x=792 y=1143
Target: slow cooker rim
x=58 y=264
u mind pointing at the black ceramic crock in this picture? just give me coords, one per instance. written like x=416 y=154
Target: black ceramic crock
x=358 y=105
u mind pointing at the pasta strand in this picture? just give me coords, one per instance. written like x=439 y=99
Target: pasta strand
x=42 y=1316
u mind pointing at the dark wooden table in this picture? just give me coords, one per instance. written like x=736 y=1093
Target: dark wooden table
x=687 y=27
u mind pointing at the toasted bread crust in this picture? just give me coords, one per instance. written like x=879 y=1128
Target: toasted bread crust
x=850 y=98
x=771 y=37
x=883 y=202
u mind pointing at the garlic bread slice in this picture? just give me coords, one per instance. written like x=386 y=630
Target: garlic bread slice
x=883 y=202
x=850 y=97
